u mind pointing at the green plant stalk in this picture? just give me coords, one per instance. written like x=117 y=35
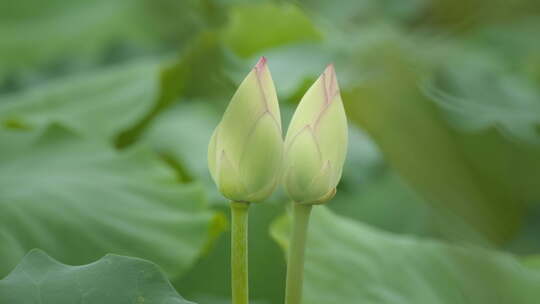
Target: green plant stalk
x=239 y=252
x=297 y=247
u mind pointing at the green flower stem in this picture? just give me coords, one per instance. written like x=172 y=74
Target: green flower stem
x=295 y=265
x=239 y=252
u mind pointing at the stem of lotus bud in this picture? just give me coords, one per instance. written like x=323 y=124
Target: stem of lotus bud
x=295 y=265
x=239 y=252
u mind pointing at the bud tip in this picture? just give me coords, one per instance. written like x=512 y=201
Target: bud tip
x=261 y=63
x=329 y=69
x=331 y=88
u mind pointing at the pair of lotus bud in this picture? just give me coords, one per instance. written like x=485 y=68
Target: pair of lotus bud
x=247 y=157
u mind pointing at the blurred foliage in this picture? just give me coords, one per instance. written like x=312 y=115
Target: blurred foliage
x=63 y=35
x=252 y=28
x=209 y=280
x=106 y=109
x=408 y=128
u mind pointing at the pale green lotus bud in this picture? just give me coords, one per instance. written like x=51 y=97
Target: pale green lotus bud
x=316 y=143
x=245 y=153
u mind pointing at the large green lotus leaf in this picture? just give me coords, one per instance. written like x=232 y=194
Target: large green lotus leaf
x=79 y=199
x=113 y=279
x=99 y=103
x=119 y=100
x=348 y=262
x=255 y=27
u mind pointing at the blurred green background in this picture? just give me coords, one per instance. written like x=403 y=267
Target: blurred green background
x=106 y=109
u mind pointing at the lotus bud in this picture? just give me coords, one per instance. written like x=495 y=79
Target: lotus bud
x=245 y=153
x=316 y=143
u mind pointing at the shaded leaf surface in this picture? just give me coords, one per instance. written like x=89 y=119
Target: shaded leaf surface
x=349 y=262
x=113 y=279
x=116 y=103
x=191 y=125
x=477 y=91
x=79 y=199
x=98 y=104
x=419 y=144
x=495 y=114
x=254 y=27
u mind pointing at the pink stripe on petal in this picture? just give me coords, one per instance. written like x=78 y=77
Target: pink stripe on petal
x=330 y=83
